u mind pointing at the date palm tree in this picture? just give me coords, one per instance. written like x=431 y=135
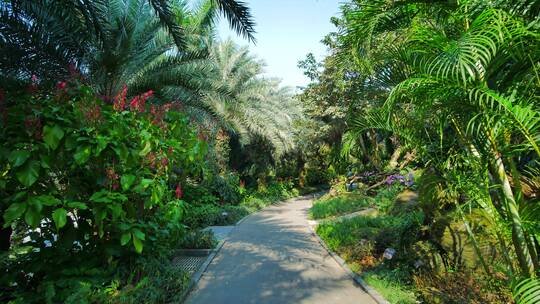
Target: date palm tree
x=44 y=36
x=247 y=104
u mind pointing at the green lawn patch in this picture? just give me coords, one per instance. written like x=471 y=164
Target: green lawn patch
x=328 y=206
x=391 y=285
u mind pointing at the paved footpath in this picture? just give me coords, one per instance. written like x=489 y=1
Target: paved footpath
x=271 y=257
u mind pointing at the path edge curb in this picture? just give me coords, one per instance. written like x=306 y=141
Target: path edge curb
x=196 y=277
x=368 y=289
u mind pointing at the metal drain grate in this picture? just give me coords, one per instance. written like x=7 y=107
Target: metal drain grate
x=189 y=263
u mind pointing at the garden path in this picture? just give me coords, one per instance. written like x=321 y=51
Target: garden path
x=272 y=257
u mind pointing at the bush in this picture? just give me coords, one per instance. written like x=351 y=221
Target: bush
x=199 y=239
x=199 y=195
x=89 y=185
x=226 y=187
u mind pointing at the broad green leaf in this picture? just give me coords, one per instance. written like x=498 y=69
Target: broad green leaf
x=147 y=148
x=32 y=217
x=122 y=152
x=126 y=237
x=101 y=144
x=82 y=154
x=127 y=180
x=35 y=203
x=48 y=200
x=29 y=173
x=60 y=217
x=101 y=197
x=137 y=243
x=18 y=157
x=52 y=136
x=138 y=233
x=145 y=182
x=13 y=212
x=116 y=210
x=77 y=205
x=45 y=161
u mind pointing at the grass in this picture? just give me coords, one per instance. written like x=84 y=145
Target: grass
x=390 y=286
x=328 y=206
x=361 y=240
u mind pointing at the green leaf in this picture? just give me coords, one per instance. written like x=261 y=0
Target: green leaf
x=35 y=203
x=32 y=217
x=138 y=233
x=147 y=148
x=77 y=205
x=122 y=152
x=137 y=243
x=82 y=154
x=145 y=182
x=101 y=144
x=101 y=197
x=13 y=212
x=18 y=157
x=48 y=200
x=127 y=180
x=52 y=136
x=45 y=161
x=126 y=237
x=29 y=173
x=60 y=217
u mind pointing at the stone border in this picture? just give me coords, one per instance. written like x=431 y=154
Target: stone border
x=194 y=252
x=368 y=289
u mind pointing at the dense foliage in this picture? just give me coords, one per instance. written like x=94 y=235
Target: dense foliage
x=450 y=88
x=126 y=127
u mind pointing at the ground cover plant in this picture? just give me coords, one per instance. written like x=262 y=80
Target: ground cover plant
x=388 y=249
x=331 y=205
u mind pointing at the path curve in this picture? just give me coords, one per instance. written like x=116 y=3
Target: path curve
x=272 y=257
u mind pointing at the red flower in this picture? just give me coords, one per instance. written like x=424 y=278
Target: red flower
x=120 y=99
x=134 y=103
x=142 y=100
x=178 y=191
x=61 y=85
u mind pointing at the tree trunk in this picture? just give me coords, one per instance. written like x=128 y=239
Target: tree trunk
x=518 y=234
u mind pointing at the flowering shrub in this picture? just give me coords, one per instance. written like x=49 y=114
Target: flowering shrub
x=407 y=180
x=89 y=179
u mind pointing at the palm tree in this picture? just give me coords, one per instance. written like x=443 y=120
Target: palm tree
x=245 y=103
x=462 y=78
x=43 y=37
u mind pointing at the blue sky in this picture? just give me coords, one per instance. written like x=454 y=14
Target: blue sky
x=286 y=31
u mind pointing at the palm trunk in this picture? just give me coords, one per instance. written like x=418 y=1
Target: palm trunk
x=519 y=239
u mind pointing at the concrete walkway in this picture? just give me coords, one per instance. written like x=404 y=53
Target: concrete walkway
x=272 y=257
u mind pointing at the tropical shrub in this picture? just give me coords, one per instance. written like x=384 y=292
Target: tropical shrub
x=86 y=183
x=199 y=239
